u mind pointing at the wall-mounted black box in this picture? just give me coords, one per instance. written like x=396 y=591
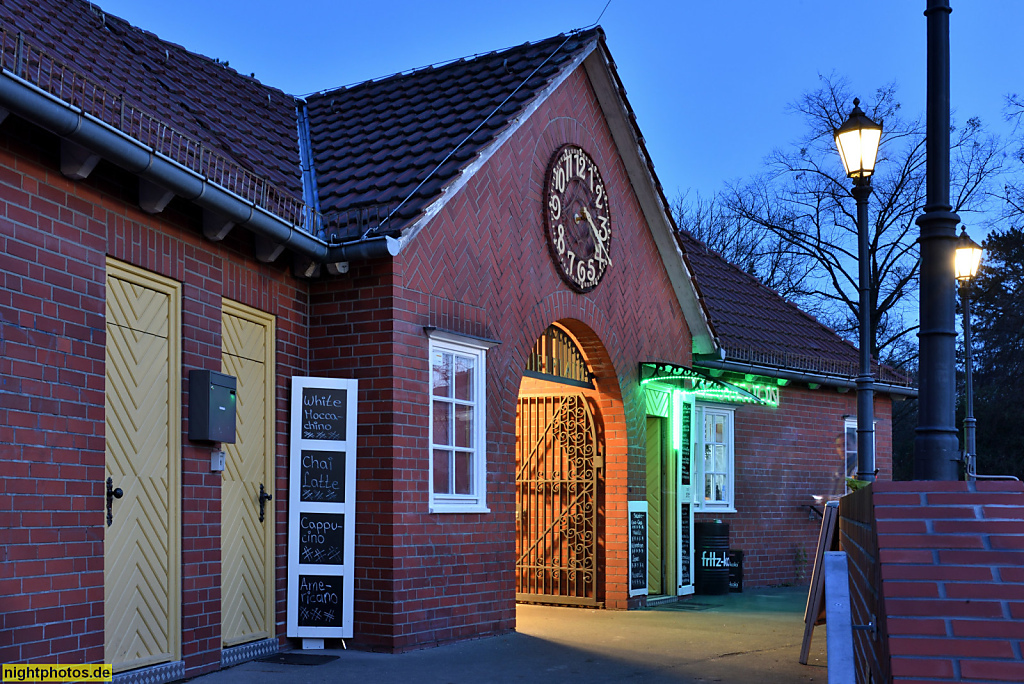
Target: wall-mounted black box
x=211 y=406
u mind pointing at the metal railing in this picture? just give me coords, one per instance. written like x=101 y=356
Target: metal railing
x=36 y=66
x=816 y=364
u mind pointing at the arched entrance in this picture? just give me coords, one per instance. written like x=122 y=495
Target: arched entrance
x=561 y=471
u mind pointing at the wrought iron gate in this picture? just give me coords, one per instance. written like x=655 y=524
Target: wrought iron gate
x=558 y=460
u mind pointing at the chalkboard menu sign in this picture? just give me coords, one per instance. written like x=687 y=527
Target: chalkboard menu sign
x=320 y=600
x=637 y=548
x=322 y=538
x=323 y=413
x=322 y=476
x=321 y=508
x=687 y=444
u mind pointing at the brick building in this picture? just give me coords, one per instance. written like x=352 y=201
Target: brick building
x=483 y=245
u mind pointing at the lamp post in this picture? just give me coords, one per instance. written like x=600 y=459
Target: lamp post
x=857 y=141
x=967 y=263
x=936 y=445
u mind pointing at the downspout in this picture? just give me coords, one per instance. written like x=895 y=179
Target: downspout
x=310 y=191
x=70 y=122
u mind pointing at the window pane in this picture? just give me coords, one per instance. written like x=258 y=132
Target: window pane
x=721 y=465
x=442 y=472
x=719 y=487
x=719 y=429
x=463 y=472
x=851 y=451
x=709 y=435
x=464 y=378
x=709 y=463
x=708 y=487
x=443 y=422
x=441 y=375
x=464 y=426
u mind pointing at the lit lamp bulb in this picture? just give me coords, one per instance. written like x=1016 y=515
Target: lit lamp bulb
x=968 y=257
x=857 y=141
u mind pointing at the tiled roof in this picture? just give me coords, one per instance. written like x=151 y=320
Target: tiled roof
x=755 y=325
x=410 y=135
x=237 y=116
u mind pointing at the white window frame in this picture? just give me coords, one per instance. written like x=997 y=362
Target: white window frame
x=729 y=504
x=475 y=349
x=848 y=454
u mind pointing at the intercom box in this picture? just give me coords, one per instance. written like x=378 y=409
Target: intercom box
x=211 y=406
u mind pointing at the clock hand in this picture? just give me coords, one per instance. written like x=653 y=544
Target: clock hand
x=598 y=244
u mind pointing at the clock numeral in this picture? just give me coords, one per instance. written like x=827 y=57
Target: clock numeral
x=559 y=174
x=591 y=270
x=560 y=240
x=599 y=202
x=581 y=271
x=555 y=205
x=572 y=261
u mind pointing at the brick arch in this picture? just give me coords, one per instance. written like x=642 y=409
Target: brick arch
x=595 y=335
x=563 y=130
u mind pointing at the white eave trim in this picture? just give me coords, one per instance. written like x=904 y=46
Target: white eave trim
x=654 y=209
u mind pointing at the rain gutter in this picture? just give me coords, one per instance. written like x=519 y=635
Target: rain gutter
x=798 y=376
x=70 y=122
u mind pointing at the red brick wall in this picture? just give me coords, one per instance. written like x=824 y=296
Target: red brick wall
x=948 y=561
x=783 y=456
x=482 y=267
x=54 y=237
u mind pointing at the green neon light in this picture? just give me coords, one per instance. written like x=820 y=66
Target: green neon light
x=767 y=393
x=710 y=389
x=677 y=419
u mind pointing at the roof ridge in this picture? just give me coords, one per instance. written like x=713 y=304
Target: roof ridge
x=405 y=73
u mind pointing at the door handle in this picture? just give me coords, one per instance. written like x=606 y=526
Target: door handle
x=264 y=498
x=111 y=495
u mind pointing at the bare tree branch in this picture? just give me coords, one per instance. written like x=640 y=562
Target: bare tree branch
x=799 y=214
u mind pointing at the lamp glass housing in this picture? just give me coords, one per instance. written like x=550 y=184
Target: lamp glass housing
x=857 y=141
x=968 y=257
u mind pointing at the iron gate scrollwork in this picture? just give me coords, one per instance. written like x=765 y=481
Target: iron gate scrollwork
x=559 y=459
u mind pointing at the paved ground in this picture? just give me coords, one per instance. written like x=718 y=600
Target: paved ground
x=752 y=637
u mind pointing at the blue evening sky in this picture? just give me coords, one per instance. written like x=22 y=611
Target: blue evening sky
x=710 y=81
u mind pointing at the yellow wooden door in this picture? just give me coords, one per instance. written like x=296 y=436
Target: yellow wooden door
x=247 y=544
x=141 y=549
x=654 y=504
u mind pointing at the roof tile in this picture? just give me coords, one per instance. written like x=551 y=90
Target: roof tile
x=755 y=325
x=197 y=96
x=375 y=142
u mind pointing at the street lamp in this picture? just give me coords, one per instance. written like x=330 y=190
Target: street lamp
x=966 y=265
x=936 y=444
x=857 y=141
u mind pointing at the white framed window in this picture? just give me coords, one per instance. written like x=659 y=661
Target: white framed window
x=458 y=423
x=850 y=450
x=715 y=459
x=850 y=440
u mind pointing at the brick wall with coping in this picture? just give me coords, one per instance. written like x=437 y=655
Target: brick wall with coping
x=949 y=563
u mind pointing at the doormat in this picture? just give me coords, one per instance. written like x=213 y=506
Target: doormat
x=290 y=658
x=686 y=605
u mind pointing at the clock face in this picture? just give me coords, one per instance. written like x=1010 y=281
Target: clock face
x=577 y=218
